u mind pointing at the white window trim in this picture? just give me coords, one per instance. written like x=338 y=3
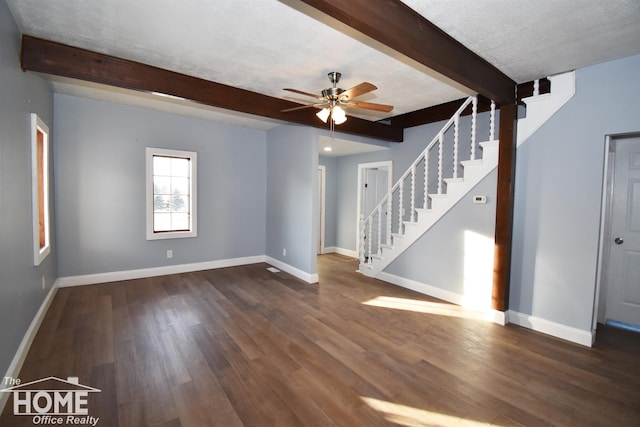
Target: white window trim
x=151 y=235
x=39 y=254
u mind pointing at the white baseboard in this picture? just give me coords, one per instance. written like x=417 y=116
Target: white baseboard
x=302 y=275
x=341 y=251
x=489 y=314
x=423 y=288
x=25 y=344
x=116 y=276
x=548 y=327
x=538 y=324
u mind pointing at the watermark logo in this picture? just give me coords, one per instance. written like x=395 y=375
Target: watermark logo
x=52 y=400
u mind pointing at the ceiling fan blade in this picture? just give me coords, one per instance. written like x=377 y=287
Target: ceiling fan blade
x=369 y=106
x=302 y=93
x=358 y=90
x=302 y=107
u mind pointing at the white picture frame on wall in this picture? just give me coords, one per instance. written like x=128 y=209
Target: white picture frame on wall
x=40 y=189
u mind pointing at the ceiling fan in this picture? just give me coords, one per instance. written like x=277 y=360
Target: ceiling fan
x=334 y=99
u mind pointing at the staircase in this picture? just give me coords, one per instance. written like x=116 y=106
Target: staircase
x=444 y=172
x=440 y=176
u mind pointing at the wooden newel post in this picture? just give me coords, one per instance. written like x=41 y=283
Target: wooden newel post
x=504 y=207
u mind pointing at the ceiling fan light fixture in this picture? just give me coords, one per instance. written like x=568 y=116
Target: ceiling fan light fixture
x=334 y=97
x=323 y=114
x=338 y=115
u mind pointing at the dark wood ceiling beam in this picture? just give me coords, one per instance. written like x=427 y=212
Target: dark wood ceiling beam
x=444 y=111
x=436 y=113
x=398 y=27
x=53 y=58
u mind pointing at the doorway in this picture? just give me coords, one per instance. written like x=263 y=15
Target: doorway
x=374 y=182
x=619 y=293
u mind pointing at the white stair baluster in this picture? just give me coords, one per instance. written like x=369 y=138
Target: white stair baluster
x=369 y=238
x=400 y=207
x=362 y=239
x=456 y=123
x=379 y=242
x=389 y=215
x=492 y=122
x=440 y=154
x=426 y=179
x=413 y=192
x=474 y=111
x=536 y=87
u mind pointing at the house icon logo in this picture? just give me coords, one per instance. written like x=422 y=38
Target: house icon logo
x=52 y=400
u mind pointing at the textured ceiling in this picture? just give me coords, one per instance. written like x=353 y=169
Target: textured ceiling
x=266 y=45
x=529 y=39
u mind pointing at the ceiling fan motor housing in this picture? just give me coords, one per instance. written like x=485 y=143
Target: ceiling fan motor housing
x=332 y=92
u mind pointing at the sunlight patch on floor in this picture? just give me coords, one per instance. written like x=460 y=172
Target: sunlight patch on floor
x=428 y=307
x=415 y=417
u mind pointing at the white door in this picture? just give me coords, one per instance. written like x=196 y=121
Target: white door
x=623 y=278
x=374 y=189
x=374 y=182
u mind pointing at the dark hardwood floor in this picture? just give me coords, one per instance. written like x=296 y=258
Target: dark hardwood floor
x=243 y=346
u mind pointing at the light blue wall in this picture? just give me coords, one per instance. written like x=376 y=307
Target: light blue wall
x=21 y=291
x=558 y=194
x=331 y=209
x=292 y=196
x=100 y=187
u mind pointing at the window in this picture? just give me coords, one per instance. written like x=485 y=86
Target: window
x=40 y=188
x=171 y=194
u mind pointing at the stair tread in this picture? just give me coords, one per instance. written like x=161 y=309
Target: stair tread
x=453 y=180
x=471 y=162
x=489 y=143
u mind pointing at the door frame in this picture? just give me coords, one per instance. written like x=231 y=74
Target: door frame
x=362 y=168
x=600 y=297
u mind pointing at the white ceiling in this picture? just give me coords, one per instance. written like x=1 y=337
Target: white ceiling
x=266 y=45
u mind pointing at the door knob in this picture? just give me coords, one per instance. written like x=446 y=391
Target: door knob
x=618 y=240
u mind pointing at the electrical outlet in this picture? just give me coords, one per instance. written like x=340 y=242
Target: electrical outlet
x=44 y=283
x=169 y=253
x=284 y=251
x=480 y=199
